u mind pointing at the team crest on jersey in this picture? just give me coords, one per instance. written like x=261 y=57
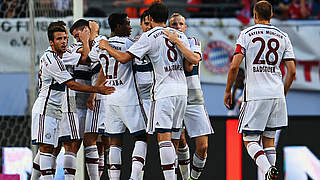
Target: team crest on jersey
x=217 y=57
x=48 y=135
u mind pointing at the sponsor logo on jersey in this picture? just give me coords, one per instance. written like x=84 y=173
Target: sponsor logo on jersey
x=217 y=57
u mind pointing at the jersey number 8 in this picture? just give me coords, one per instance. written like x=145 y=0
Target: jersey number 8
x=171 y=49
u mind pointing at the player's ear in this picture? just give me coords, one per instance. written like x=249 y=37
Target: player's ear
x=51 y=43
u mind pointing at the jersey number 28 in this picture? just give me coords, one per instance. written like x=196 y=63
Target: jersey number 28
x=271 y=50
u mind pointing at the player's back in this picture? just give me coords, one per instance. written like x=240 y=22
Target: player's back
x=265 y=47
x=119 y=75
x=167 y=62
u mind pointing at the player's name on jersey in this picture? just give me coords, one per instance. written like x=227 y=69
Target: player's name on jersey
x=114 y=82
x=174 y=67
x=115 y=47
x=263 y=69
x=266 y=32
x=160 y=33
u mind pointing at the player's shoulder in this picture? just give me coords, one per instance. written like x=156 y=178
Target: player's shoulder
x=154 y=32
x=194 y=40
x=117 y=40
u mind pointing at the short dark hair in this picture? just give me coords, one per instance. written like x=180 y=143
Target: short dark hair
x=159 y=12
x=263 y=10
x=143 y=15
x=54 y=27
x=115 y=19
x=79 y=24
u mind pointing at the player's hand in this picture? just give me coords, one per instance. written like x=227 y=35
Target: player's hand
x=103 y=44
x=84 y=35
x=172 y=37
x=228 y=99
x=106 y=89
x=94 y=26
x=90 y=101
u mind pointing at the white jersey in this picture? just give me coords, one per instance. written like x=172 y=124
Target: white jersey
x=52 y=76
x=70 y=59
x=119 y=75
x=265 y=46
x=167 y=60
x=95 y=62
x=195 y=95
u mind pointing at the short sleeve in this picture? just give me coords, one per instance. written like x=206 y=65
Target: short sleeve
x=141 y=47
x=129 y=43
x=288 y=52
x=57 y=69
x=195 y=45
x=241 y=40
x=71 y=57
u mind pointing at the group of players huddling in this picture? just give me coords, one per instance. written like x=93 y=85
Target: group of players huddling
x=95 y=89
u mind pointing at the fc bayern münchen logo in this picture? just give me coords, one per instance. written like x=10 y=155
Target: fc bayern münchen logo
x=217 y=57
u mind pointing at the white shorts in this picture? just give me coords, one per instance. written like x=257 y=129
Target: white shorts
x=262 y=115
x=82 y=113
x=146 y=107
x=196 y=121
x=122 y=117
x=69 y=127
x=95 y=120
x=166 y=114
x=45 y=129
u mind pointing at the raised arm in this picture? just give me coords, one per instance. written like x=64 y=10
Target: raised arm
x=122 y=57
x=291 y=67
x=232 y=75
x=84 y=37
x=192 y=57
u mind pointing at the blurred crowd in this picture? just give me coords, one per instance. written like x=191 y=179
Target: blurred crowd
x=283 y=9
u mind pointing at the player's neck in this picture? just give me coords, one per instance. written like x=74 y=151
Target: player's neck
x=57 y=52
x=264 y=22
x=92 y=36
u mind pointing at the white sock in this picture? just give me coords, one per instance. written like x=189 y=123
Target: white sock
x=36 y=173
x=258 y=155
x=167 y=158
x=54 y=164
x=91 y=159
x=115 y=162
x=46 y=160
x=101 y=164
x=70 y=165
x=138 y=158
x=107 y=152
x=184 y=162
x=271 y=155
x=141 y=174
x=197 y=166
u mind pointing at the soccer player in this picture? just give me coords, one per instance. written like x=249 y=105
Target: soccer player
x=264 y=108
x=96 y=115
x=169 y=91
x=69 y=126
x=92 y=125
x=143 y=69
x=124 y=108
x=196 y=119
x=46 y=111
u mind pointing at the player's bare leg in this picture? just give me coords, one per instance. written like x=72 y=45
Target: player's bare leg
x=256 y=152
x=167 y=155
x=91 y=155
x=115 y=158
x=199 y=157
x=70 y=158
x=46 y=161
